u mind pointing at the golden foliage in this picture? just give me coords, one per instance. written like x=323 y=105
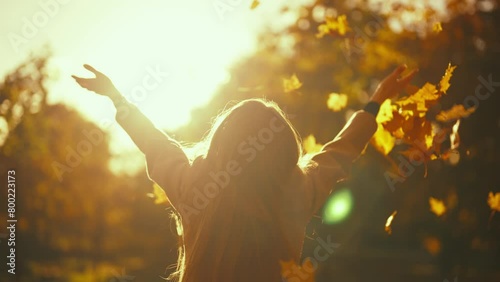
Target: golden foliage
x=419 y=101
x=388 y=223
x=406 y=120
x=444 y=84
x=436 y=27
x=494 y=201
x=333 y=26
x=290 y=267
x=456 y=112
x=291 y=84
x=437 y=206
x=385 y=112
x=310 y=145
x=454 y=137
x=336 y=102
x=383 y=140
x=254 y=4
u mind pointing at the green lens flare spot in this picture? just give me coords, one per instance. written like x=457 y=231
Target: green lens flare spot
x=338 y=206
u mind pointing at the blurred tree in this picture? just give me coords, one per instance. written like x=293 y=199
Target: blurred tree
x=76 y=219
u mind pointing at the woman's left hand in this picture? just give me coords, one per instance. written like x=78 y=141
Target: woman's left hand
x=392 y=85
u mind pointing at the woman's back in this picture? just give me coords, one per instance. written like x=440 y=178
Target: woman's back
x=244 y=231
x=244 y=203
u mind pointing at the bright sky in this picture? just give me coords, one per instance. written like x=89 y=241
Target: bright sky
x=166 y=56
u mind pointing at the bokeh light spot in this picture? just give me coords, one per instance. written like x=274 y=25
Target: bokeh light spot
x=338 y=206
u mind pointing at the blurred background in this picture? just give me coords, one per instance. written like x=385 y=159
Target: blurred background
x=85 y=208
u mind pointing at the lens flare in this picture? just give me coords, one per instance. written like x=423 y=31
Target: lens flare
x=338 y=206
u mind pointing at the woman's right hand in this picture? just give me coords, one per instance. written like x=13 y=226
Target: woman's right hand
x=392 y=85
x=100 y=84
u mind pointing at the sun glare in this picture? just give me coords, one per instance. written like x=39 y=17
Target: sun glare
x=167 y=57
x=168 y=68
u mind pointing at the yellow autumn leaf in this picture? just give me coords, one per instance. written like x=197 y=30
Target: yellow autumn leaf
x=254 y=5
x=444 y=84
x=310 y=145
x=418 y=100
x=388 y=223
x=436 y=27
x=337 y=25
x=494 y=201
x=437 y=206
x=429 y=140
x=454 y=136
x=385 y=112
x=158 y=195
x=406 y=120
x=289 y=270
x=383 y=140
x=456 y=112
x=336 y=102
x=291 y=84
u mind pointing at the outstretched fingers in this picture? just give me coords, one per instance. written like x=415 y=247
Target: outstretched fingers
x=83 y=82
x=92 y=69
x=398 y=71
x=406 y=79
x=79 y=79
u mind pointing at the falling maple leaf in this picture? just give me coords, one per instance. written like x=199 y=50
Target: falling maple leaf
x=336 y=102
x=436 y=27
x=419 y=101
x=406 y=120
x=388 y=223
x=383 y=140
x=444 y=84
x=454 y=136
x=494 y=201
x=437 y=206
x=385 y=112
x=337 y=25
x=254 y=5
x=310 y=145
x=456 y=112
x=289 y=269
x=291 y=84
x=158 y=195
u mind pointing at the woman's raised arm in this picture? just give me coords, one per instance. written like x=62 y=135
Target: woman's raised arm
x=167 y=163
x=138 y=126
x=336 y=157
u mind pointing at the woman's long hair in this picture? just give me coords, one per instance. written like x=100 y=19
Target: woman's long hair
x=252 y=149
